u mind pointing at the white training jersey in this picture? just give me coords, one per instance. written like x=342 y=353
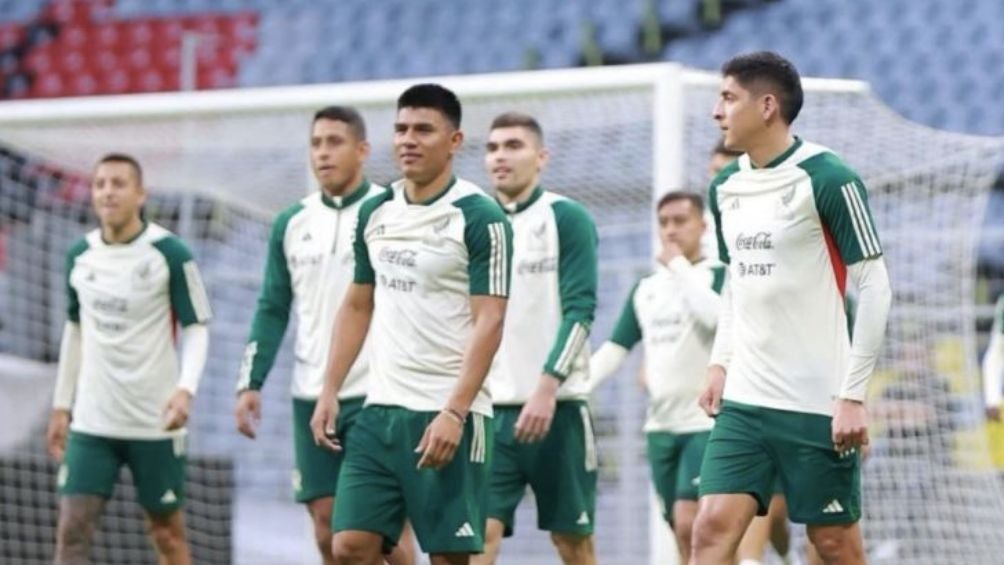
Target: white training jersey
x=309 y=267
x=788 y=232
x=127 y=298
x=552 y=300
x=426 y=261
x=661 y=313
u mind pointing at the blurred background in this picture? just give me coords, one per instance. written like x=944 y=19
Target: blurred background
x=927 y=134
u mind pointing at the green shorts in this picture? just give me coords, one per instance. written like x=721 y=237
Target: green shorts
x=316 y=472
x=380 y=485
x=751 y=445
x=676 y=466
x=92 y=464
x=561 y=470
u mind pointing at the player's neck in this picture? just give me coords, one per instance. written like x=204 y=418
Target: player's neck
x=769 y=147
x=346 y=189
x=519 y=197
x=124 y=233
x=421 y=192
x=694 y=257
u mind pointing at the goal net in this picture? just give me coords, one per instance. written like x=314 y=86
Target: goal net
x=221 y=164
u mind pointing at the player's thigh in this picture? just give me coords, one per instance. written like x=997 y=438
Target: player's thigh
x=507 y=481
x=688 y=473
x=563 y=472
x=447 y=506
x=316 y=468
x=90 y=466
x=820 y=485
x=158 y=472
x=369 y=497
x=736 y=460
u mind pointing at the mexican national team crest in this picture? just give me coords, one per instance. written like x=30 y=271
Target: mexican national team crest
x=141 y=276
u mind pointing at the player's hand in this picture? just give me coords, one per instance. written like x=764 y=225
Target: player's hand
x=175 y=414
x=537 y=414
x=322 y=423
x=711 y=398
x=670 y=250
x=850 y=426
x=994 y=413
x=440 y=441
x=55 y=436
x=248 y=412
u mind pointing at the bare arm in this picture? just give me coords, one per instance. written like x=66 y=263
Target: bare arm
x=348 y=334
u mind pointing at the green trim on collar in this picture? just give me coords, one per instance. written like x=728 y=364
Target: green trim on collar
x=128 y=241
x=517 y=207
x=440 y=194
x=339 y=202
x=783 y=156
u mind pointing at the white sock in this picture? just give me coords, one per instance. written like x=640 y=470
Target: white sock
x=750 y=562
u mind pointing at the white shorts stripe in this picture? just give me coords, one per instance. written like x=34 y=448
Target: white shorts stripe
x=590 y=439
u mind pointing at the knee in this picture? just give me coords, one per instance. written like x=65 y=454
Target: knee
x=572 y=548
x=683 y=530
x=322 y=531
x=835 y=547
x=347 y=549
x=708 y=528
x=167 y=537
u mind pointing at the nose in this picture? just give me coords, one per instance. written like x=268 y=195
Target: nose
x=716 y=112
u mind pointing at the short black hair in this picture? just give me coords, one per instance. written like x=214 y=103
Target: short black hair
x=775 y=72
x=720 y=149
x=128 y=160
x=437 y=97
x=518 y=120
x=346 y=114
x=695 y=200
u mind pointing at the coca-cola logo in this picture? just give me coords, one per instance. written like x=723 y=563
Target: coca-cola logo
x=759 y=240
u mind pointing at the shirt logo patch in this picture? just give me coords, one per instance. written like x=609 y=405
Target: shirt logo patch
x=141 y=277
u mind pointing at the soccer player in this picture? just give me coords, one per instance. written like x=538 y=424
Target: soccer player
x=773 y=526
x=431 y=280
x=993 y=364
x=540 y=383
x=310 y=265
x=673 y=311
x=126 y=283
x=786 y=383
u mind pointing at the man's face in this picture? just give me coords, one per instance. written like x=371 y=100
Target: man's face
x=116 y=194
x=740 y=114
x=336 y=155
x=514 y=158
x=682 y=223
x=424 y=143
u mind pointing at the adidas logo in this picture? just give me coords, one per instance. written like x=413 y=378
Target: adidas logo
x=168 y=497
x=465 y=531
x=833 y=507
x=696 y=481
x=583 y=519
x=306 y=237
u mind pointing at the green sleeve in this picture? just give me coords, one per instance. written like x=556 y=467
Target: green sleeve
x=72 y=300
x=717 y=278
x=189 y=299
x=716 y=213
x=364 y=273
x=842 y=203
x=271 y=317
x=488 y=237
x=627 y=332
x=577 y=276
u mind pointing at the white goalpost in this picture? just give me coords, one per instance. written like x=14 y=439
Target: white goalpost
x=220 y=164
